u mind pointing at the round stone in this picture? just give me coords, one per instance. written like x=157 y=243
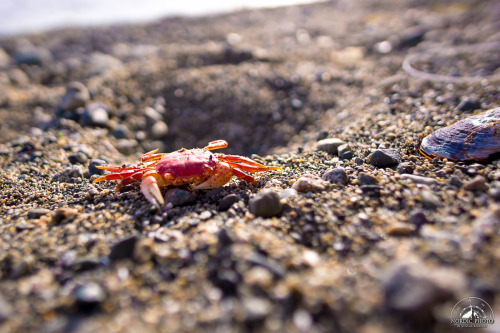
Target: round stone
x=266 y=204
x=336 y=176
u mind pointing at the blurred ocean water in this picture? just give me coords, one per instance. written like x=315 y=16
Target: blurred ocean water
x=21 y=16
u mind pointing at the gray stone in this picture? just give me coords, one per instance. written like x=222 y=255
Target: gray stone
x=336 y=176
x=121 y=132
x=477 y=183
x=68 y=175
x=367 y=179
x=288 y=192
x=159 y=130
x=469 y=103
x=36 y=213
x=179 y=197
x=405 y=167
x=419 y=179
x=266 y=204
x=384 y=158
x=330 y=145
x=429 y=199
x=123 y=249
x=96 y=114
x=309 y=183
x=228 y=201
x=92 y=167
x=78 y=158
x=77 y=95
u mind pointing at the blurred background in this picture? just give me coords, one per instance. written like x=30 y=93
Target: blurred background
x=23 y=16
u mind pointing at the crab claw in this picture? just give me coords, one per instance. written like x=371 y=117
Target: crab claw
x=150 y=189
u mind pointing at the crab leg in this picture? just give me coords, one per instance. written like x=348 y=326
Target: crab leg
x=150 y=189
x=133 y=178
x=114 y=176
x=245 y=163
x=240 y=174
x=217 y=144
x=149 y=156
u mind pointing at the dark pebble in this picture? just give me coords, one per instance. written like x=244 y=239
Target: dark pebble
x=418 y=219
x=411 y=36
x=266 y=204
x=36 y=213
x=92 y=167
x=179 y=197
x=83 y=264
x=405 y=167
x=121 y=132
x=477 y=183
x=68 y=175
x=96 y=114
x=367 y=179
x=411 y=295
x=455 y=181
x=228 y=201
x=384 y=158
x=78 y=158
x=347 y=155
x=336 y=176
x=322 y=135
x=469 y=103
x=343 y=148
x=123 y=249
x=371 y=189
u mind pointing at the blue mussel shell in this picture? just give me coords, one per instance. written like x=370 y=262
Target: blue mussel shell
x=474 y=138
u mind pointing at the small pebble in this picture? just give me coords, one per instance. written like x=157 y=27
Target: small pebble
x=159 y=130
x=469 y=103
x=78 y=158
x=429 y=199
x=419 y=179
x=121 y=131
x=418 y=219
x=68 y=175
x=330 y=145
x=36 y=213
x=336 y=176
x=123 y=249
x=309 y=183
x=265 y=204
x=477 y=183
x=405 y=167
x=367 y=179
x=95 y=114
x=288 y=192
x=226 y=202
x=77 y=95
x=343 y=149
x=399 y=229
x=179 y=197
x=89 y=295
x=383 y=158
x=92 y=167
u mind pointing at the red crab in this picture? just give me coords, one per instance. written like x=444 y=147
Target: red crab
x=199 y=167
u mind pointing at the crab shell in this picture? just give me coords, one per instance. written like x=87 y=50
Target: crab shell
x=474 y=138
x=191 y=167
